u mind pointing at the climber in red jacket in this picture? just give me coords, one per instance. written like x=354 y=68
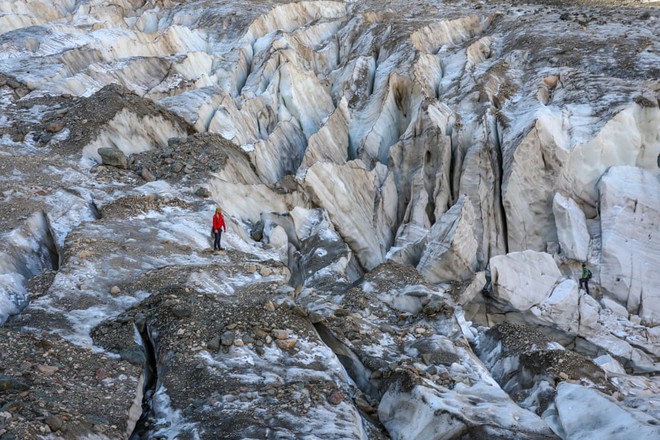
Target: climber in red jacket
x=218 y=228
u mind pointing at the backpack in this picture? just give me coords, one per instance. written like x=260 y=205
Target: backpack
x=588 y=274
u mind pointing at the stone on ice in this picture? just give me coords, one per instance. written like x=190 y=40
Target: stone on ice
x=112 y=157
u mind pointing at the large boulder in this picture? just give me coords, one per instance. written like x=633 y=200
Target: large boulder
x=113 y=157
x=523 y=279
x=630 y=223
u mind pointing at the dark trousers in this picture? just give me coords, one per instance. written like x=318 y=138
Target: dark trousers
x=216 y=239
x=585 y=282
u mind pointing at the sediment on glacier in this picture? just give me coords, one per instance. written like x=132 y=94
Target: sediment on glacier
x=410 y=191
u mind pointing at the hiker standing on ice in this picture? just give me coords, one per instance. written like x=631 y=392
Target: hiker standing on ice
x=218 y=228
x=586 y=276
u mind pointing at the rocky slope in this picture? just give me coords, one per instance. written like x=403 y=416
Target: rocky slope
x=410 y=191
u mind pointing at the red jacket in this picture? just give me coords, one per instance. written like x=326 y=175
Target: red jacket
x=218 y=222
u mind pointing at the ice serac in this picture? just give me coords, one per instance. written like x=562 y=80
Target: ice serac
x=280 y=154
x=451 y=250
x=571 y=228
x=629 y=138
x=479 y=411
x=303 y=98
x=371 y=163
x=432 y=38
x=480 y=178
x=330 y=143
x=322 y=254
x=247 y=202
x=24 y=252
x=243 y=125
x=197 y=107
x=587 y=413
x=120 y=132
x=413 y=231
x=523 y=279
x=528 y=187
x=421 y=163
x=361 y=205
x=399 y=99
x=17 y=15
x=560 y=309
x=630 y=221
x=432 y=159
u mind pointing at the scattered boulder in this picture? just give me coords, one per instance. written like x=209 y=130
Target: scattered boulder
x=113 y=157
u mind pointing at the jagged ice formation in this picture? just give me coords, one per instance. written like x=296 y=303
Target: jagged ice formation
x=406 y=185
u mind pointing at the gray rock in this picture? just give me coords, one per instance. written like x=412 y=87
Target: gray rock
x=140 y=321
x=214 y=344
x=181 y=311
x=54 y=127
x=202 y=192
x=9 y=383
x=437 y=306
x=134 y=355
x=10 y=406
x=177 y=167
x=280 y=334
x=147 y=175
x=440 y=357
x=315 y=318
x=227 y=338
x=96 y=419
x=54 y=423
x=113 y=157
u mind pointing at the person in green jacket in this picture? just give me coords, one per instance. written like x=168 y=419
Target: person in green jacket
x=586 y=276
